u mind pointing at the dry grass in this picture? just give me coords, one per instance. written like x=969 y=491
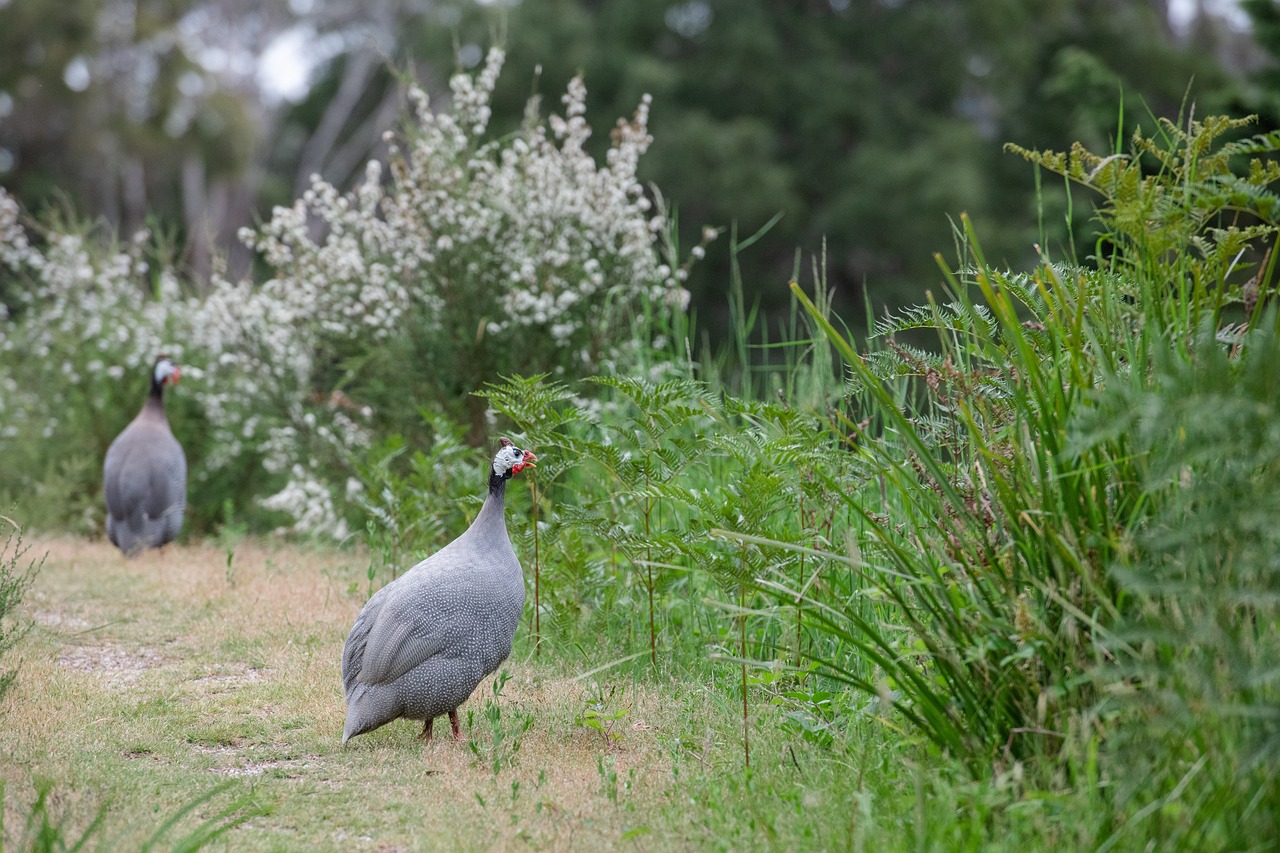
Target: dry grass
x=148 y=681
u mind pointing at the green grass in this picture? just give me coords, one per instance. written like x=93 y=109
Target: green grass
x=148 y=683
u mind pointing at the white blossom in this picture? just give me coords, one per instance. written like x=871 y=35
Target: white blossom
x=562 y=248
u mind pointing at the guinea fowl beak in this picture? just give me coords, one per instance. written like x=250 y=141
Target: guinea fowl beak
x=527 y=462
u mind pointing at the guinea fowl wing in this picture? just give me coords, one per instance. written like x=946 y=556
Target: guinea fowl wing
x=121 y=481
x=129 y=475
x=145 y=470
x=398 y=629
x=398 y=642
x=167 y=471
x=353 y=651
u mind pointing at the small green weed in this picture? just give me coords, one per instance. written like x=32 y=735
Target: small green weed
x=810 y=711
x=598 y=716
x=506 y=737
x=45 y=832
x=615 y=792
x=230 y=535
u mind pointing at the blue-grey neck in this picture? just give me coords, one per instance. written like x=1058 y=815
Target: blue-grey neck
x=491 y=520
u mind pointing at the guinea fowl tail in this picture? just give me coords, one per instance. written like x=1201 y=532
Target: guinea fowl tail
x=367 y=708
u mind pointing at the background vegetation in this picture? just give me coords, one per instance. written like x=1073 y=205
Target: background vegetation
x=1009 y=544
x=864 y=124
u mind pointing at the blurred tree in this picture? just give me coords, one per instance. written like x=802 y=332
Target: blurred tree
x=167 y=112
x=869 y=124
x=108 y=108
x=1263 y=96
x=1067 y=70
x=866 y=123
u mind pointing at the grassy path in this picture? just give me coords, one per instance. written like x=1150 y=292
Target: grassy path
x=147 y=682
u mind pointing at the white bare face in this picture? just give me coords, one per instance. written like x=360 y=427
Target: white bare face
x=508 y=457
x=166 y=371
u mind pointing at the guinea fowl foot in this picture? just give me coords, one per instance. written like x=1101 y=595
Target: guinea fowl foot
x=453 y=724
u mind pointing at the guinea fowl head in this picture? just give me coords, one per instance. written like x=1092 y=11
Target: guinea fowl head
x=164 y=373
x=510 y=460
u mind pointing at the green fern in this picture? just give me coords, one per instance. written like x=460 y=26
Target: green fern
x=663 y=433
x=1196 y=197
x=1197 y=674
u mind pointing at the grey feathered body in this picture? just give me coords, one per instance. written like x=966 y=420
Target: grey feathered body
x=424 y=642
x=145 y=482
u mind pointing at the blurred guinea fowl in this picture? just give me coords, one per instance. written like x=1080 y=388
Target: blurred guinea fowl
x=145 y=474
x=423 y=642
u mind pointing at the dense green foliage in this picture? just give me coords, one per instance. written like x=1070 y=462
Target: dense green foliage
x=865 y=124
x=1028 y=543
x=1190 y=689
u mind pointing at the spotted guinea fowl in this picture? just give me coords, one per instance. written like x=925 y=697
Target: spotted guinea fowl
x=424 y=641
x=145 y=474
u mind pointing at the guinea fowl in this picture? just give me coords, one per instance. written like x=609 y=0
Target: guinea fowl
x=423 y=642
x=145 y=474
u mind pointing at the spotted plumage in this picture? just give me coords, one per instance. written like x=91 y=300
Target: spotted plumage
x=144 y=477
x=424 y=641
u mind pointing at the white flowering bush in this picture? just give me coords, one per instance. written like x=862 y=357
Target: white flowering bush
x=468 y=258
x=460 y=259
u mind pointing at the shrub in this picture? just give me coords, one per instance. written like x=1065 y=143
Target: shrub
x=14 y=583
x=474 y=258
x=462 y=258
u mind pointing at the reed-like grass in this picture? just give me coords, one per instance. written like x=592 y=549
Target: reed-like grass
x=1072 y=484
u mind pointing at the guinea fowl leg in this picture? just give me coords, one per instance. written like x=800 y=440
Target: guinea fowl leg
x=426 y=731
x=453 y=721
